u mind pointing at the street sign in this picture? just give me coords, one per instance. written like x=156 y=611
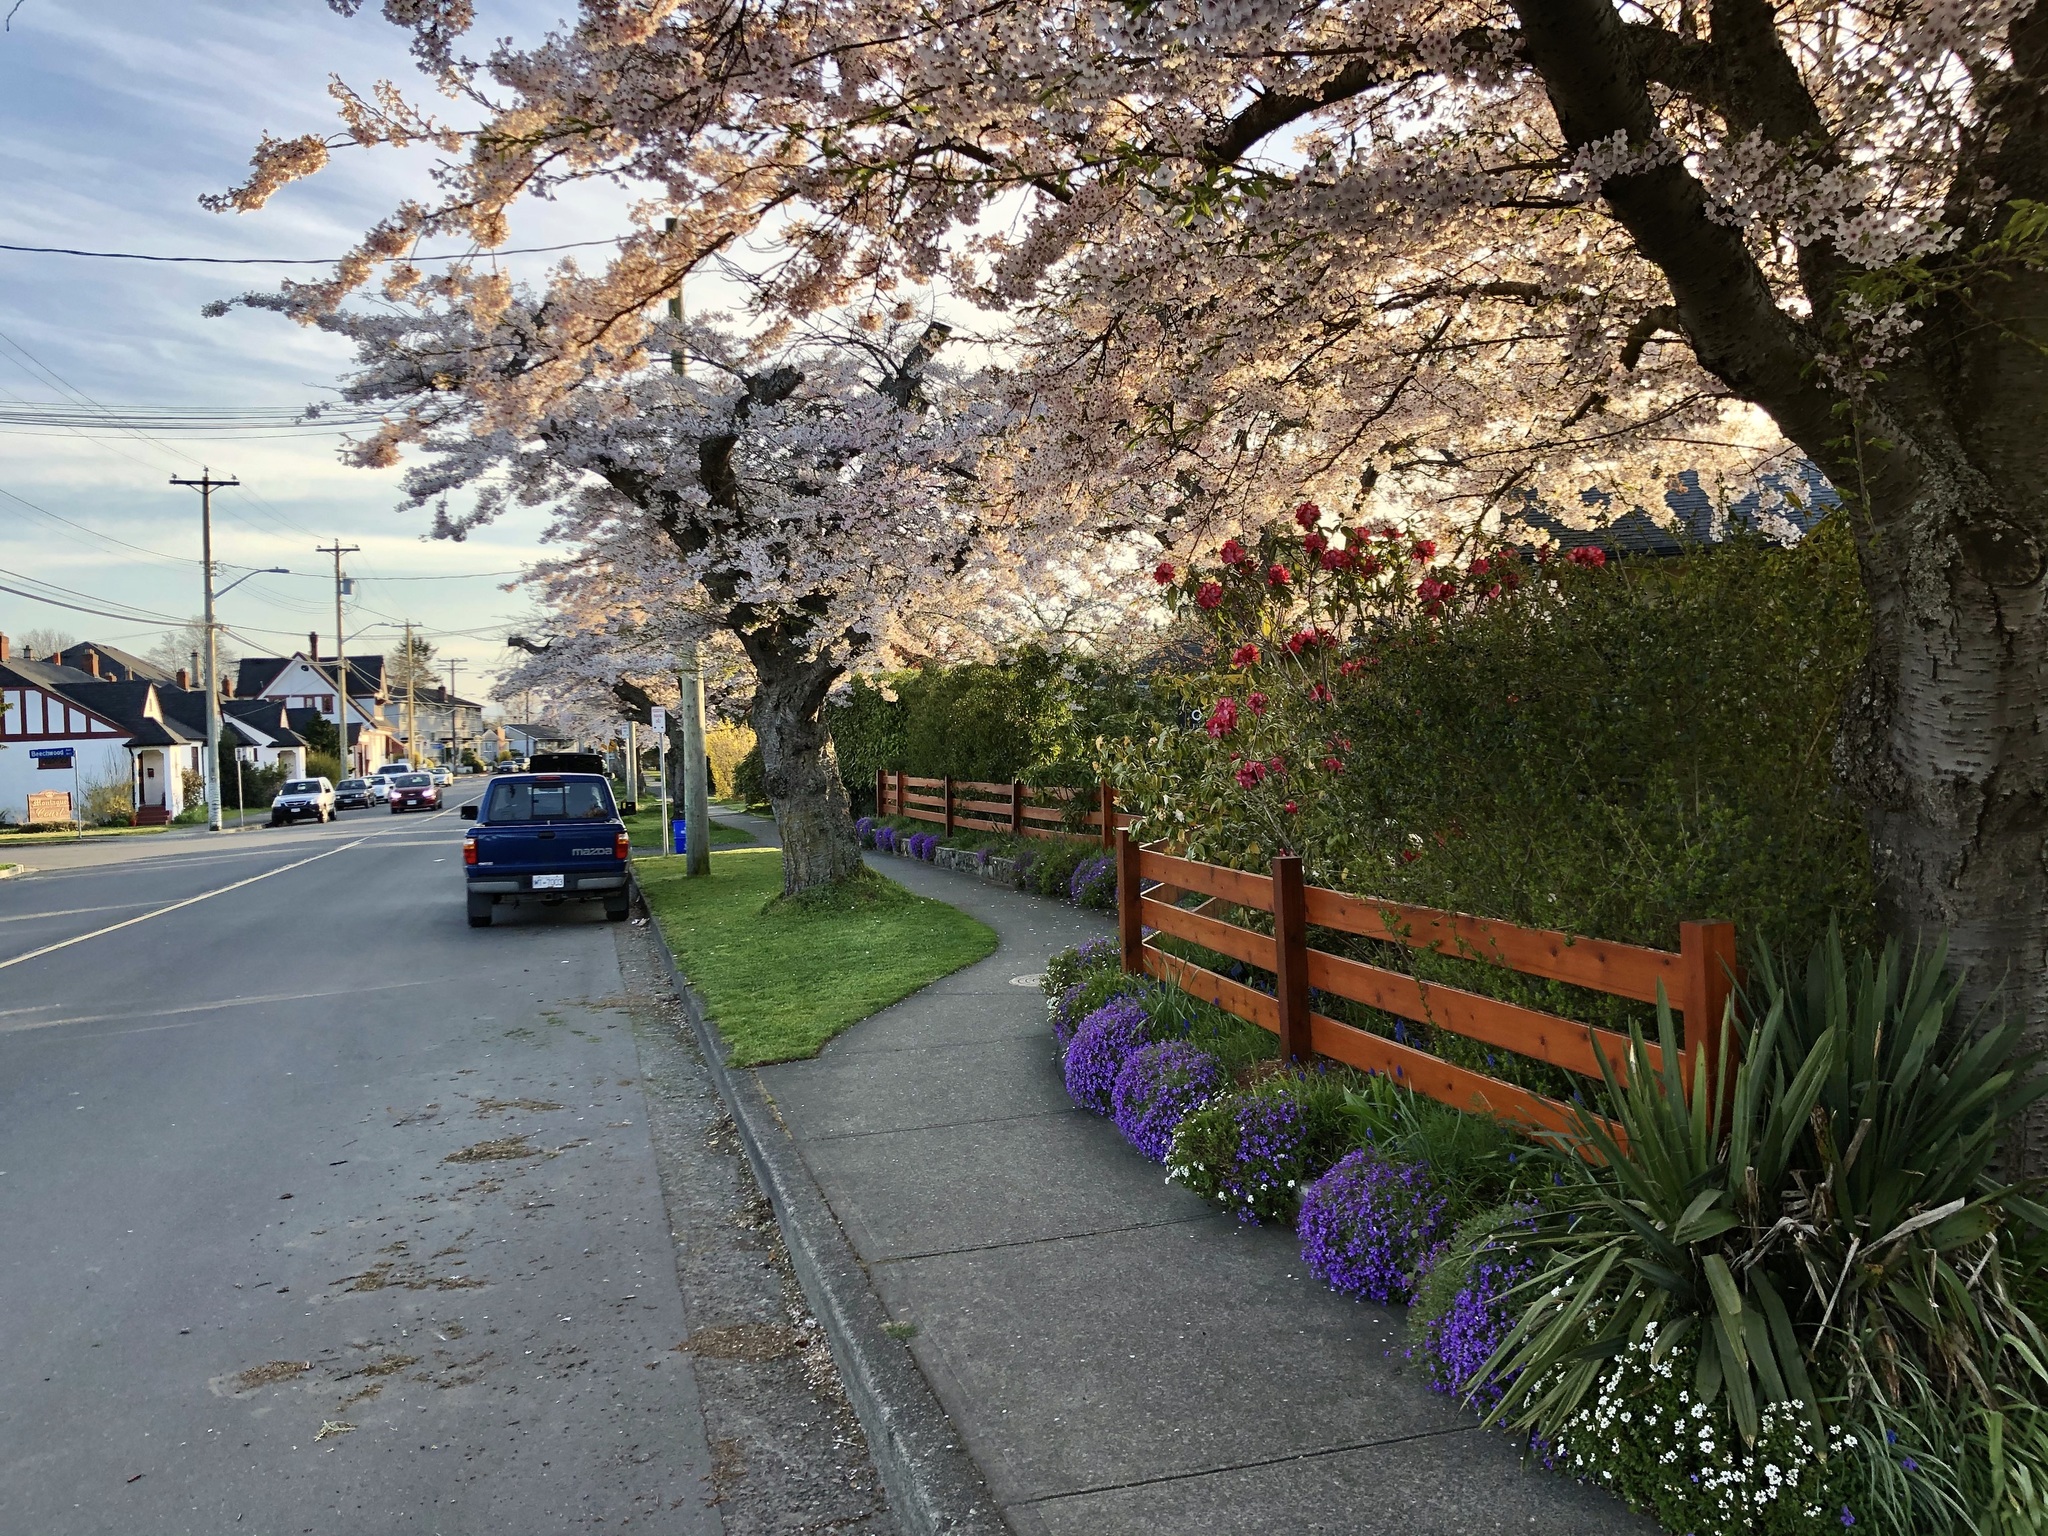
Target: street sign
x=660 y=718
x=51 y=757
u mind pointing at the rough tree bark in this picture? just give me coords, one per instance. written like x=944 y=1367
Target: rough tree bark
x=1942 y=459
x=812 y=814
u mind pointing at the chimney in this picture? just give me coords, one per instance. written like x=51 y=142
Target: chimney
x=313 y=643
x=184 y=680
x=3 y=647
x=92 y=661
x=227 y=686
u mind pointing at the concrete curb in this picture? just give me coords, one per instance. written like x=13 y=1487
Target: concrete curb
x=15 y=871
x=932 y=1484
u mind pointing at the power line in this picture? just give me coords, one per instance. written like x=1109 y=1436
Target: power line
x=295 y=261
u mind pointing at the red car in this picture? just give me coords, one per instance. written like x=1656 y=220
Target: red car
x=414 y=792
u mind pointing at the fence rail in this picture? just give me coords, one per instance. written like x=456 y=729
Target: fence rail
x=978 y=806
x=1698 y=979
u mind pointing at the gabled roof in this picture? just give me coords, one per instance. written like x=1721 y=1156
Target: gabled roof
x=256 y=673
x=266 y=716
x=438 y=698
x=43 y=674
x=116 y=666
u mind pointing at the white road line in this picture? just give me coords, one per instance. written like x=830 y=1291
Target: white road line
x=230 y=1002
x=31 y=917
x=49 y=949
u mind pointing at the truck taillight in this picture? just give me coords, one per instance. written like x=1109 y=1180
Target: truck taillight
x=622 y=846
x=469 y=850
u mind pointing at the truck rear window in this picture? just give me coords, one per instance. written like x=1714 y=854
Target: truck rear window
x=549 y=802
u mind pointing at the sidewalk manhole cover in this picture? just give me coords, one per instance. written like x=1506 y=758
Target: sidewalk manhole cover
x=1034 y=980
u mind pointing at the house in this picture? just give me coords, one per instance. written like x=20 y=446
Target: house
x=257 y=729
x=115 y=665
x=68 y=731
x=303 y=683
x=508 y=738
x=447 y=724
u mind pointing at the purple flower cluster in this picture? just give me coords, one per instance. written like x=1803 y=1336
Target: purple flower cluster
x=1368 y=1227
x=923 y=845
x=885 y=839
x=1096 y=1054
x=1094 y=950
x=1064 y=1020
x=981 y=859
x=864 y=829
x=1272 y=1139
x=1089 y=877
x=1159 y=1084
x=1465 y=1337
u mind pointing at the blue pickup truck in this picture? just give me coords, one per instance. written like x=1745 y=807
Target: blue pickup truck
x=548 y=837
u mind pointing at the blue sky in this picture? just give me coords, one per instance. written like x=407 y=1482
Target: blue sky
x=115 y=116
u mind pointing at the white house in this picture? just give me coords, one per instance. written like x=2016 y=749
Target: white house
x=304 y=682
x=65 y=731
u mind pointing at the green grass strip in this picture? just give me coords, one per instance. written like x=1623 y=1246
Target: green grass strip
x=781 y=978
x=644 y=828
x=15 y=839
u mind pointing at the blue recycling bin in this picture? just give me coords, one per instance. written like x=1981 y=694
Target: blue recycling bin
x=681 y=837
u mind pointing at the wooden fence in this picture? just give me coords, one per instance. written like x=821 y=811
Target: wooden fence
x=984 y=807
x=1698 y=980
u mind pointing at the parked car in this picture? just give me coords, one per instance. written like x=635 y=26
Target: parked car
x=351 y=793
x=548 y=837
x=301 y=798
x=414 y=792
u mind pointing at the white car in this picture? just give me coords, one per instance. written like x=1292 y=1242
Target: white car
x=443 y=777
x=380 y=787
x=301 y=798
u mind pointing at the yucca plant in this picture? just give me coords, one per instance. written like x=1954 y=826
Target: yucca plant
x=1824 y=1222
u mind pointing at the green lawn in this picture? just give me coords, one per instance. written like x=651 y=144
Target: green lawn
x=782 y=979
x=645 y=829
x=15 y=839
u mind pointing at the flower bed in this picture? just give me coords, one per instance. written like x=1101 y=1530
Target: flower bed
x=1680 y=1318
x=1067 y=869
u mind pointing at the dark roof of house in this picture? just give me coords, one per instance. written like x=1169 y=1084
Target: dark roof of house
x=256 y=673
x=116 y=666
x=127 y=705
x=1692 y=519
x=154 y=733
x=42 y=674
x=267 y=716
x=438 y=698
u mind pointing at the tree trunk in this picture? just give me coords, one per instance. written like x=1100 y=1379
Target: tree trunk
x=802 y=771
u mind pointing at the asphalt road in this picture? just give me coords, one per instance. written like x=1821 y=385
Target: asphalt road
x=321 y=1212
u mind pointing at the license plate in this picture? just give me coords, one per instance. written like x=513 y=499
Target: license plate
x=547 y=882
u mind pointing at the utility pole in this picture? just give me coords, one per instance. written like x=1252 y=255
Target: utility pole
x=696 y=793
x=206 y=485
x=412 y=712
x=454 y=718
x=338 y=549
x=632 y=806
x=678 y=359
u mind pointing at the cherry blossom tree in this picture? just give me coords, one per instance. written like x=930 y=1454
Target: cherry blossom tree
x=1459 y=254
x=800 y=497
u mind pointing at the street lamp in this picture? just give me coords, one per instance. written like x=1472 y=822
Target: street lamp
x=213 y=818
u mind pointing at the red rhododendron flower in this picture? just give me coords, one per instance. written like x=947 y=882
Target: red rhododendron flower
x=1425 y=549
x=1232 y=552
x=1347 y=668
x=1409 y=855
x=1481 y=566
x=1297 y=640
x=1163 y=572
x=1368 y=565
x=1223 y=718
x=1249 y=775
x=1276 y=576
x=1338 y=559
x=1333 y=765
x=1431 y=590
x=1245 y=656
x=1494 y=590
x=1589 y=555
x=1290 y=808
x=1276 y=764
x=1308 y=514
x=1314 y=542
x=1256 y=703
x=1319 y=693
x=1210 y=595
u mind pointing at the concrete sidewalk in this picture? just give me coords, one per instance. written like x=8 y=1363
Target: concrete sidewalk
x=1117 y=1357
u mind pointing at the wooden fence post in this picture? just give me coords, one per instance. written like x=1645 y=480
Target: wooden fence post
x=1016 y=807
x=1105 y=798
x=949 y=805
x=902 y=805
x=1290 y=944
x=1129 y=923
x=1707 y=954
x=881 y=791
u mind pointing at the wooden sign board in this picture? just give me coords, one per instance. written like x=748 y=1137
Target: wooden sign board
x=50 y=805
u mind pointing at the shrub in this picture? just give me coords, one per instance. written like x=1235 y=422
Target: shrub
x=1253 y=1152
x=1368 y=1226
x=1461 y=1310
x=108 y=802
x=1650 y=1438
x=321 y=765
x=1843 y=1245
x=1096 y=1054
x=750 y=778
x=1156 y=1088
x=1093 y=883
